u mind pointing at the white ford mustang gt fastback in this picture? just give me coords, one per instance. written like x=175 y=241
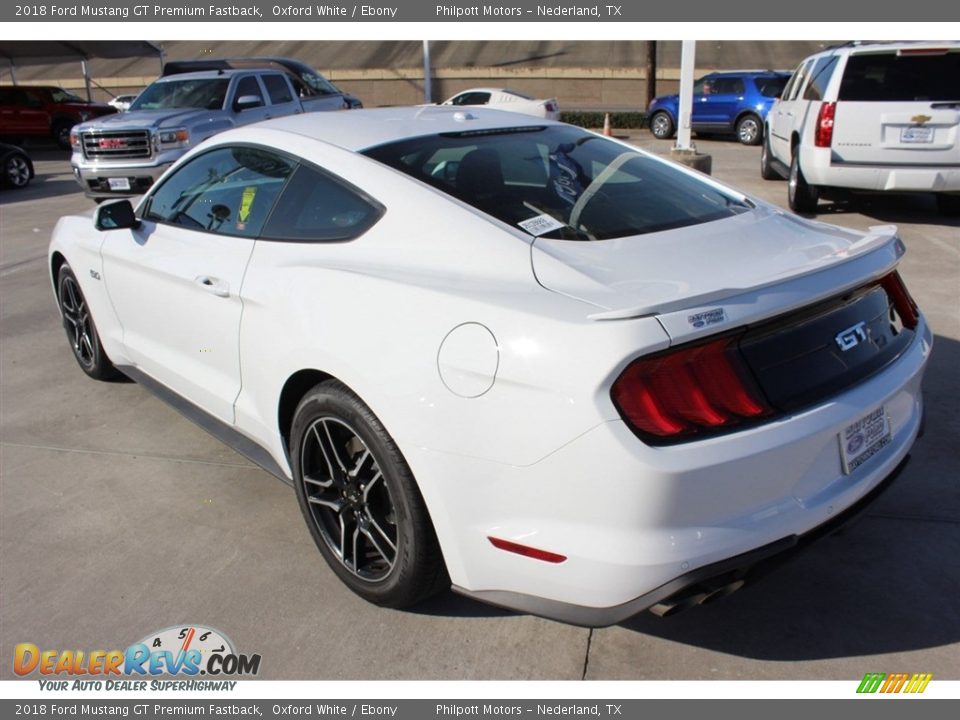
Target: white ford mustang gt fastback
x=508 y=355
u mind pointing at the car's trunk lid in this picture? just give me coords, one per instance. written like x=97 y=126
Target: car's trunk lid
x=704 y=278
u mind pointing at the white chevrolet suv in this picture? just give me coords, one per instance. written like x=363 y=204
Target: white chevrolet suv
x=870 y=117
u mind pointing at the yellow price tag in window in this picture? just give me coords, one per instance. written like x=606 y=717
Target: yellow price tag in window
x=246 y=202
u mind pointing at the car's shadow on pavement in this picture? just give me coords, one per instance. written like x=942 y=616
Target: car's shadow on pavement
x=450 y=604
x=920 y=208
x=42 y=187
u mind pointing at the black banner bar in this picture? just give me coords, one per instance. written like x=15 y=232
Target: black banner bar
x=743 y=11
x=476 y=709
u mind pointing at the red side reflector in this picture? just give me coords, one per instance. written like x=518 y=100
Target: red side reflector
x=526 y=551
x=824 y=134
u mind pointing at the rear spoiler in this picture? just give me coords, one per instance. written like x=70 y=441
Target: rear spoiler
x=877 y=236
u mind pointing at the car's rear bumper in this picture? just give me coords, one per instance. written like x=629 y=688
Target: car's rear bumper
x=699 y=586
x=95 y=179
x=637 y=524
x=820 y=168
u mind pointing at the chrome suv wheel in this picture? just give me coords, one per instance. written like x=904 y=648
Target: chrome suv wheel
x=749 y=130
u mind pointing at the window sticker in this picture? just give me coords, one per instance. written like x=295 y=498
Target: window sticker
x=246 y=203
x=541 y=224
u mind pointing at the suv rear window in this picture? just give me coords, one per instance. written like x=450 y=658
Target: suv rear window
x=890 y=77
x=568 y=182
x=771 y=86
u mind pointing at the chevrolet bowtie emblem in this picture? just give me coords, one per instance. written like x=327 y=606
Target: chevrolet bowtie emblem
x=921 y=119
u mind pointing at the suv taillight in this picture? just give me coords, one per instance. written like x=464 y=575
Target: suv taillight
x=824 y=134
x=687 y=391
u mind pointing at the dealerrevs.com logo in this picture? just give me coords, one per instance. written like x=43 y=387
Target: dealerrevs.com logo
x=184 y=651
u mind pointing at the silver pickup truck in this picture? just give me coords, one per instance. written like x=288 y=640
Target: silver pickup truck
x=124 y=154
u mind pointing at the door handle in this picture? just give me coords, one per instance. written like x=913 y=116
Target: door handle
x=213 y=285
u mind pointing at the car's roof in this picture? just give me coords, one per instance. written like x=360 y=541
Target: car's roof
x=205 y=75
x=870 y=46
x=720 y=73
x=361 y=129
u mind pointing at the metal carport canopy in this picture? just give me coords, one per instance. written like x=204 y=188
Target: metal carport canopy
x=42 y=52
x=45 y=52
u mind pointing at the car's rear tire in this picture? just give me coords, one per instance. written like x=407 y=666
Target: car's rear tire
x=80 y=328
x=361 y=501
x=948 y=204
x=16 y=171
x=801 y=195
x=661 y=125
x=767 y=170
x=750 y=129
x=61 y=134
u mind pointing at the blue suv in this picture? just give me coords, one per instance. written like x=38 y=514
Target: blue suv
x=723 y=102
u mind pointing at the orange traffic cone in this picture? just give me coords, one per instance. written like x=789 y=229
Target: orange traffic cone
x=606 y=125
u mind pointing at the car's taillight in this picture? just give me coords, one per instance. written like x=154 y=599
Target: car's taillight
x=551 y=106
x=903 y=303
x=824 y=135
x=687 y=391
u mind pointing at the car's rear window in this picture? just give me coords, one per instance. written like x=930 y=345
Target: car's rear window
x=771 y=86
x=888 y=77
x=560 y=181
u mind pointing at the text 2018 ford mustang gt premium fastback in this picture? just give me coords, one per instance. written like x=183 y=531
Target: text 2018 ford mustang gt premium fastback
x=506 y=354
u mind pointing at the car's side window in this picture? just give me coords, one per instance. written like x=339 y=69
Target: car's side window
x=472 y=98
x=820 y=77
x=727 y=86
x=249 y=86
x=228 y=191
x=278 y=89
x=317 y=207
x=799 y=80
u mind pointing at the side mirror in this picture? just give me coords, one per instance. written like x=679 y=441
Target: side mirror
x=245 y=102
x=115 y=215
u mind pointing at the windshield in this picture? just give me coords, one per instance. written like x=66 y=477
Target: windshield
x=59 y=95
x=208 y=93
x=320 y=84
x=560 y=182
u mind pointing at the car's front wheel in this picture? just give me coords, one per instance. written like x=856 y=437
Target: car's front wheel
x=661 y=125
x=81 y=332
x=61 y=133
x=361 y=501
x=749 y=130
x=801 y=195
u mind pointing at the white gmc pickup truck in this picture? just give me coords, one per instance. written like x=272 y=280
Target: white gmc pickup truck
x=124 y=154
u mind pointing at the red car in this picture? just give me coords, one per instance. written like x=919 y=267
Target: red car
x=44 y=111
